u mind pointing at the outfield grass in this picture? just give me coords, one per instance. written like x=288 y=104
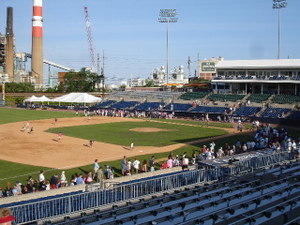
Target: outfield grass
x=11 y=115
x=121 y=133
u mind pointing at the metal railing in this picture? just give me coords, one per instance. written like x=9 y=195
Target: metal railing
x=45 y=208
x=134 y=189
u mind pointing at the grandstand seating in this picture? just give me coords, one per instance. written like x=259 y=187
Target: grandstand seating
x=295 y=115
x=148 y=106
x=178 y=107
x=193 y=95
x=246 y=111
x=259 y=97
x=286 y=99
x=275 y=112
x=142 y=94
x=210 y=110
x=105 y=104
x=120 y=94
x=124 y=104
x=166 y=95
x=226 y=97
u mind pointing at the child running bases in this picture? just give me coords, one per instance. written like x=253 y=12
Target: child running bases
x=59 y=137
x=92 y=143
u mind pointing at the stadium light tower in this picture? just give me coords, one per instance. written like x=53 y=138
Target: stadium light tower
x=167 y=16
x=279 y=4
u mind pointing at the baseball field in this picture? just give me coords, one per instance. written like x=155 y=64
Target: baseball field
x=29 y=141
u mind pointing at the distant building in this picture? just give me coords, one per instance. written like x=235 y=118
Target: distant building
x=207 y=68
x=177 y=76
x=137 y=82
x=266 y=76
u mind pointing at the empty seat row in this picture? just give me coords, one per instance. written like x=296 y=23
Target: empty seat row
x=246 y=111
x=225 y=97
x=193 y=95
x=258 y=97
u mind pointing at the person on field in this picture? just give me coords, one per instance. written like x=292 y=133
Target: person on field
x=92 y=143
x=59 y=137
x=132 y=145
x=31 y=131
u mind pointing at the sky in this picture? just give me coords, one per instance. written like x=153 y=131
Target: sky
x=132 y=43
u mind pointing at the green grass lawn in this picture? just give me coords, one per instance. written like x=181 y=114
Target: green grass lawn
x=10 y=115
x=120 y=133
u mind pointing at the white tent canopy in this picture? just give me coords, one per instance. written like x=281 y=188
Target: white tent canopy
x=44 y=99
x=33 y=98
x=77 y=98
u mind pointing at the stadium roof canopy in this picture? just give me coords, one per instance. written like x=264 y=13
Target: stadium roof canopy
x=259 y=64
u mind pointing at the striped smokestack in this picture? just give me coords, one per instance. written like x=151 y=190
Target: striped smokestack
x=9 y=58
x=37 y=42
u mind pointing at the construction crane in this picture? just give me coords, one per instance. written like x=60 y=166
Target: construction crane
x=95 y=67
x=90 y=40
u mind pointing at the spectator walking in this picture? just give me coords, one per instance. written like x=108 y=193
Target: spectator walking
x=54 y=181
x=136 y=165
x=124 y=165
x=63 y=179
x=89 y=178
x=79 y=180
x=185 y=163
x=100 y=175
x=41 y=178
x=96 y=167
x=176 y=161
x=144 y=166
x=151 y=163
x=170 y=162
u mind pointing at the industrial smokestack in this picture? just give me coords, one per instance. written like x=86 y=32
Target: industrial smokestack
x=37 y=42
x=9 y=58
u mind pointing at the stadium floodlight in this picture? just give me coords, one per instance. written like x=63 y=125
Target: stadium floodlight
x=279 y=4
x=167 y=16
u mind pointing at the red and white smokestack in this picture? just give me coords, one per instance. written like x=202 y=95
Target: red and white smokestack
x=37 y=42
